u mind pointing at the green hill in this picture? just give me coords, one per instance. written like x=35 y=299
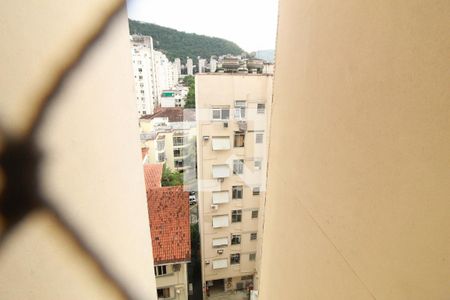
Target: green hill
x=180 y=44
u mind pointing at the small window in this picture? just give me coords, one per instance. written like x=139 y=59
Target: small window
x=237 y=192
x=235 y=259
x=236 y=216
x=235 y=239
x=178 y=141
x=259 y=138
x=144 y=112
x=239 y=111
x=254 y=214
x=220 y=113
x=163 y=293
x=160 y=144
x=239 y=139
x=253 y=236
x=142 y=92
x=238 y=166
x=252 y=256
x=161 y=157
x=140 y=69
x=160 y=270
x=179 y=163
x=258 y=164
x=261 y=108
x=256 y=191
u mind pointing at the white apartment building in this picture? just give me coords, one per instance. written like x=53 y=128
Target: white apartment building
x=190 y=66
x=212 y=64
x=201 y=65
x=145 y=81
x=233 y=111
x=177 y=63
x=169 y=137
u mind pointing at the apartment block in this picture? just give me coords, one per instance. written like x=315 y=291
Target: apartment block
x=168 y=136
x=233 y=111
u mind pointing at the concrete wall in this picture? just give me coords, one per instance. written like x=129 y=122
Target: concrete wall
x=91 y=170
x=175 y=280
x=358 y=188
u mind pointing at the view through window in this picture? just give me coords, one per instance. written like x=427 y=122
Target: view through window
x=203 y=75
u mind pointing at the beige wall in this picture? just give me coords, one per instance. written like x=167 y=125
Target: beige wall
x=175 y=280
x=91 y=169
x=224 y=89
x=358 y=188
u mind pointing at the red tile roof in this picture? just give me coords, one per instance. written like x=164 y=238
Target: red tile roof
x=168 y=209
x=152 y=175
x=174 y=114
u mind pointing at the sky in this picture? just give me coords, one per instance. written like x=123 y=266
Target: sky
x=251 y=24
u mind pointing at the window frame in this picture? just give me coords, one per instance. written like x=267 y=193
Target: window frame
x=236 y=216
x=253 y=236
x=238 y=189
x=160 y=270
x=237 y=134
x=221 y=110
x=235 y=239
x=235 y=258
x=257 y=140
x=260 y=110
x=252 y=256
x=238 y=166
x=255 y=213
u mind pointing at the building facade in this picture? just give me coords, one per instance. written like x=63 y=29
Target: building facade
x=232 y=117
x=146 y=85
x=189 y=66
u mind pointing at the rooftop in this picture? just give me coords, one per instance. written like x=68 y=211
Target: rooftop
x=168 y=209
x=175 y=114
x=152 y=175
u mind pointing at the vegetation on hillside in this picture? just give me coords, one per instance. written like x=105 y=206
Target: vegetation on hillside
x=171 y=178
x=189 y=81
x=180 y=44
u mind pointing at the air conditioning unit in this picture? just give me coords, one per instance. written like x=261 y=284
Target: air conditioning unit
x=176 y=267
x=206 y=138
x=225 y=124
x=214 y=206
x=220 y=251
x=220 y=179
x=207 y=262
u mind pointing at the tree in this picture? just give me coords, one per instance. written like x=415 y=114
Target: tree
x=189 y=81
x=171 y=177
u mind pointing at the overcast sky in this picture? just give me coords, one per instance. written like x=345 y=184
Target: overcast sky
x=249 y=23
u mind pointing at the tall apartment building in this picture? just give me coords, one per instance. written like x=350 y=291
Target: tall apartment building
x=177 y=63
x=201 y=65
x=212 y=64
x=233 y=112
x=145 y=78
x=189 y=66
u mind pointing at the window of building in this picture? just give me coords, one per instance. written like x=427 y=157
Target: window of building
x=261 y=108
x=237 y=192
x=160 y=145
x=179 y=163
x=220 y=113
x=144 y=112
x=142 y=92
x=178 y=140
x=238 y=166
x=253 y=236
x=247 y=277
x=220 y=242
x=220 y=221
x=163 y=293
x=259 y=138
x=258 y=164
x=141 y=85
x=252 y=256
x=235 y=239
x=254 y=214
x=239 y=139
x=177 y=152
x=140 y=69
x=239 y=110
x=236 y=216
x=140 y=77
x=161 y=157
x=256 y=191
x=235 y=258
x=160 y=270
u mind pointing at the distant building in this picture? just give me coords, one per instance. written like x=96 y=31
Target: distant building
x=201 y=65
x=233 y=115
x=170 y=136
x=172 y=98
x=145 y=81
x=168 y=210
x=189 y=66
x=212 y=64
x=178 y=66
